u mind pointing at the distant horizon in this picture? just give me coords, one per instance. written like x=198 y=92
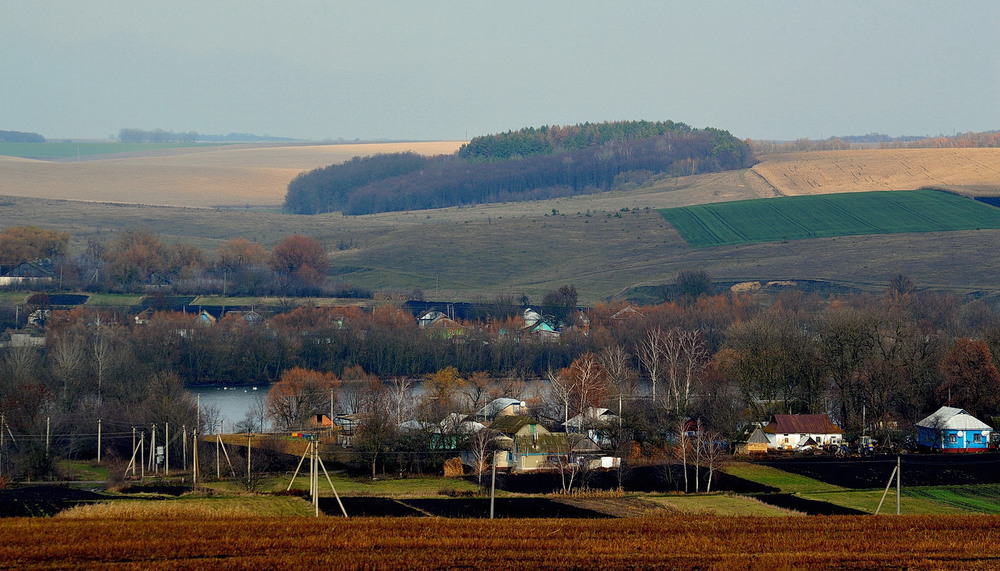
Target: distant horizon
x=264 y=138
x=448 y=70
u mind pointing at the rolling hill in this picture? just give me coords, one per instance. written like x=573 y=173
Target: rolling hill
x=606 y=244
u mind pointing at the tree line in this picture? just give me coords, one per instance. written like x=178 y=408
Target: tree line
x=137 y=260
x=20 y=137
x=971 y=139
x=155 y=136
x=521 y=166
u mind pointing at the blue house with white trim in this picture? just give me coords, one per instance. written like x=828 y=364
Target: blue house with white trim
x=952 y=429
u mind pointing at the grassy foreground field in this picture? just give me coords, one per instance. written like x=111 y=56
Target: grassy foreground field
x=793 y=218
x=968 y=542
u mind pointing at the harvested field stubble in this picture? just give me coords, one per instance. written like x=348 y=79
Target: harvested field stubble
x=673 y=541
x=970 y=171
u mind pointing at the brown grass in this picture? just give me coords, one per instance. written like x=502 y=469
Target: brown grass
x=969 y=171
x=160 y=510
x=672 y=541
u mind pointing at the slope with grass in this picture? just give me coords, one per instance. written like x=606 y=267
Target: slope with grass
x=925 y=500
x=605 y=244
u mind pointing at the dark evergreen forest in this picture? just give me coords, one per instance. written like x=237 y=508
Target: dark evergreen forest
x=530 y=164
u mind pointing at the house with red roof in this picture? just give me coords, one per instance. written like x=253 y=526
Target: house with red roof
x=802 y=431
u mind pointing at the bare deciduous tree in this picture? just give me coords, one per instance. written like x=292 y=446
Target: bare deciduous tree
x=652 y=352
x=685 y=358
x=480 y=445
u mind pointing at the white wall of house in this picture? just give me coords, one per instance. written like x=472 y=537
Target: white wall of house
x=790 y=441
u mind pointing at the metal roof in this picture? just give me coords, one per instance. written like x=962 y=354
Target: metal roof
x=951 y=418
x=802 y=424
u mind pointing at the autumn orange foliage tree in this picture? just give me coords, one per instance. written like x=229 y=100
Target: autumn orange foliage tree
x=299 y=394
x=300 y=257
x=20 y=243
x=971 y=380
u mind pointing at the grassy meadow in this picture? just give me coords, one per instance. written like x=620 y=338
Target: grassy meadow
x=830 y=215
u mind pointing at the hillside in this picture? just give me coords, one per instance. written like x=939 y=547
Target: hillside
x=967 y=171
x=520 y=166
x=604 y=243
x=205 y=177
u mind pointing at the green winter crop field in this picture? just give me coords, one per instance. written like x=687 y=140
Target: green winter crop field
x=829 y=215
x=52 y=150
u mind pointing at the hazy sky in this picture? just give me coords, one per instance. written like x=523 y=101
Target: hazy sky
x=448 y=70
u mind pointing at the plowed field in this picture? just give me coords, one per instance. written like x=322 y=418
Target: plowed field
x=675 y=542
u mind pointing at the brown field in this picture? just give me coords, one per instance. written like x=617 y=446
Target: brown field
x=968 y=171
x=684 y=542
x=227 y=176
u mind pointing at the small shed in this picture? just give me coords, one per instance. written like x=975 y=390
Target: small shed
x=756 y=443
x=952 y=429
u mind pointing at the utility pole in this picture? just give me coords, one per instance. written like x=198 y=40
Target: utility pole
x=98 y=441
x=152 y=452
x=1 y=443
x=142 y=455
x=315 y=476
x=48 y=432
x=184 y=447
x=166 y=444
x=133 y=450
x=899 y=479
x=194 y=457
x=218 y=467
x=493 y=483
x=315 y=464
x=249 y=437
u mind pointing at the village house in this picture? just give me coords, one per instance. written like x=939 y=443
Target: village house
x=595 y=422
x=448 y=434
x=530 y=447
x=952 y=429
x=503 y=406
x=801 y=431
x=439 y=325
x=34 y=273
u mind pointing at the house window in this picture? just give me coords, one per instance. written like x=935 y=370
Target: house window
x=952 y=439
x=978 y=438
